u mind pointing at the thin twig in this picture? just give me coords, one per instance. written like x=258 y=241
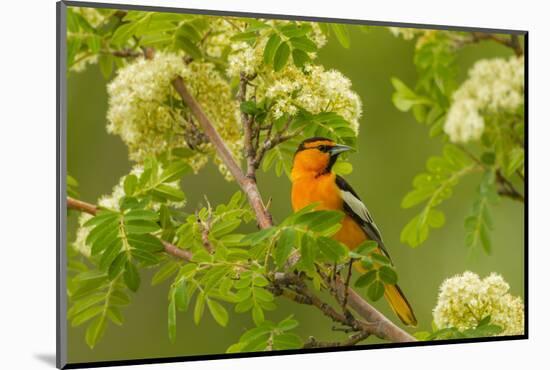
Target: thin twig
x=348 y=277
x=205 y=226
x=512 y=42
x=247 y=121
x=247 y=184
x=351 y=341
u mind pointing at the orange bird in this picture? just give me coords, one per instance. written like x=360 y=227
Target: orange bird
x=314 y=182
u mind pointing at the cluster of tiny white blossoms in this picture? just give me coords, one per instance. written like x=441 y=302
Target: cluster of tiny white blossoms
x=312 y=88
x=221 y=29
x=466 y=299
x=143 y=107
x=493 y=86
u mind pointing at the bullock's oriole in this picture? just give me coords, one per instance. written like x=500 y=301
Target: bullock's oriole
x=314 y=182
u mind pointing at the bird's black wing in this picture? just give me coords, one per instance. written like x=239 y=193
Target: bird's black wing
x=358 y=211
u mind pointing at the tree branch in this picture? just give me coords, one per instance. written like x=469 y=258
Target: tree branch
x=247 y=184
x=247 y=121
x=512 y=42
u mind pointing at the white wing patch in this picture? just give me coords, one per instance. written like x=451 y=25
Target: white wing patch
x=358 y=208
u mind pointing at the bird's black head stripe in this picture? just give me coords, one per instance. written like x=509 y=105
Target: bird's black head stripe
x=302 y=145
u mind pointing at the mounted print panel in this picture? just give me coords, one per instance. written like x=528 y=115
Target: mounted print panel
x=237 y=185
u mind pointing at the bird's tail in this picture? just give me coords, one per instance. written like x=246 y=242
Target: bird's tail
x=397 y=301
x=400 y=305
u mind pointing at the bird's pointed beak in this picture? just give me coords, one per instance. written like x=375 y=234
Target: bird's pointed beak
x=338 y=149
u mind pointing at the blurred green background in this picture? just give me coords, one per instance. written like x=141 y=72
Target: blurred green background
x=393 y=148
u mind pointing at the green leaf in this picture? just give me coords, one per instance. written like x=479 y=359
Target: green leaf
x=224 y=227
x=307 y=253
x=376 y=290
x=199 y=308
x=145 y=242
x=331 y=249
x=259 y=236
x=249 y=107
x=303 y=44
x=367 y=247
x=169 y=192
x=106 y=62
x=124 y=32
x=342 y=168
x=287 y=324
x=414 y=233
x=85 y=303
x=188 y=31
x=271 y=47
x=118 y=265
x=115 y=316
x=180 y=295
x=366 y=279
x=101 y=217
x=95 y=331
x=119 y=298
x=175 y=171
x=131 y=277
x=140 y=226
x=140 y=214
x=387 y=275
x=130 y=183
x=164 y=272
x=415 y=197
x=86 y=315
x=319 y=221
x=219 y=313
x=172 y=321
x=245 y=36
x=342 y=34
x=257 y=314
x=109 y=254
x=287 y=341
x=182 y=42
x=104 y=231
x=299 y=57
x=286 y=242
x=281 y=56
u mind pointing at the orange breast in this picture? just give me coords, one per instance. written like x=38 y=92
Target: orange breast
x=323 y=190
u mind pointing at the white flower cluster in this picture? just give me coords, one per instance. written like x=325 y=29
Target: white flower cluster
x=145 y=111
x=466 y=299
x=493 y=86
x=312 y=88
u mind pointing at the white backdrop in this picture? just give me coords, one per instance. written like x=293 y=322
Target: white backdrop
x=27 y=181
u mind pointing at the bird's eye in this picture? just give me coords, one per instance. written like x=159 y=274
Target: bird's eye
x=322 y=148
